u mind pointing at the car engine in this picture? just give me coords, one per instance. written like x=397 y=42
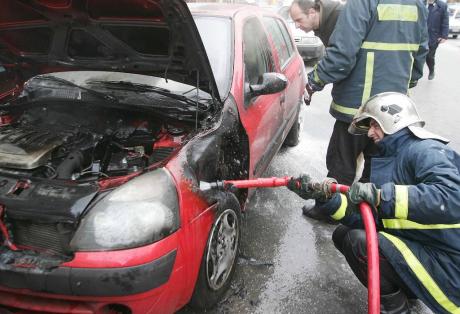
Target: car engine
x=80 y=144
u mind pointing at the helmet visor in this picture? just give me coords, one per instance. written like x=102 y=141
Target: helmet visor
x=359 y=126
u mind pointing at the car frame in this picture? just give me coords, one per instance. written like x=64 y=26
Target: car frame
x=241 y=127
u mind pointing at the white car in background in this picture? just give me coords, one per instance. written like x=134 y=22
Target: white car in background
x=454 y=20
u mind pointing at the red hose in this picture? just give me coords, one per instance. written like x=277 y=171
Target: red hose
x=373 y=271
x=259 y=183
x=373 y=266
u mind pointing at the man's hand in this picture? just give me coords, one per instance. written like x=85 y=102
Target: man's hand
x=364 y=192
x=307 y=94
x=307 y=189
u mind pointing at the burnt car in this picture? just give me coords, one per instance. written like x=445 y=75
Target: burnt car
x=111 y=114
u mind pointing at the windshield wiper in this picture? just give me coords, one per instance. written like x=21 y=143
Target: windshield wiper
x=62 y=81
x=144 y=88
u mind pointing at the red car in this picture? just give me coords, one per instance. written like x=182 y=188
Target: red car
x=112 y=112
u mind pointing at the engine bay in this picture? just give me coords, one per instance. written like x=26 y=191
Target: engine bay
x=80 y=142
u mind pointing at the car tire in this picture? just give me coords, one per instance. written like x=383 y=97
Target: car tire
x=223 y=240
x=454 y=36
x=293 y=137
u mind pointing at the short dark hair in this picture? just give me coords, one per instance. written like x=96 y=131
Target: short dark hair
x=306 y=5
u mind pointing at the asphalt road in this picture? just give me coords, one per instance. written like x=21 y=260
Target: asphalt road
x=288 y=263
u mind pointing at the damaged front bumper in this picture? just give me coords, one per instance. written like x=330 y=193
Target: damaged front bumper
x=93 y=282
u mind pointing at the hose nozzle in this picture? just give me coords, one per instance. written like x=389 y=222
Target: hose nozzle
x=207 y=186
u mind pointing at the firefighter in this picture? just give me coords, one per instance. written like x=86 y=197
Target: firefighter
x=376 y=46
x=415 y=192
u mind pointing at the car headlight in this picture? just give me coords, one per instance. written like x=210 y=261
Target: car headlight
x=142 y=211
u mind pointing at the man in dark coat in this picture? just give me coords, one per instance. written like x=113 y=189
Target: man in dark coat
x=317 y=16
x=415 y=192
x=438 y=30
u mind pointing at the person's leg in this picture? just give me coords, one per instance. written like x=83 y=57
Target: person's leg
x=430 y=60
x=342 y=153
x=394 y=292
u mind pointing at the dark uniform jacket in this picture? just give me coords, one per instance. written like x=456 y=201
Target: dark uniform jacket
x=438 y=22
x=377 y=46
x=418 y=217
x=329 y=10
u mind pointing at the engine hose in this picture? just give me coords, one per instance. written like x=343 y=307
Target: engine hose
x=70 y=165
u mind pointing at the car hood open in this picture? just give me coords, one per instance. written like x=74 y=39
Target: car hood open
x=151 y=37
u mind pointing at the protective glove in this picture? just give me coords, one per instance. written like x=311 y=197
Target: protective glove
x=306 y=188
x=364 y=192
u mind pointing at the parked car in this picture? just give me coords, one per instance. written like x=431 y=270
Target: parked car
x=119 y=112
x=309 y=46
x=454 y=21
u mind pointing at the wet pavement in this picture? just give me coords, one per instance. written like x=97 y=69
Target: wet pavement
x=288 y=263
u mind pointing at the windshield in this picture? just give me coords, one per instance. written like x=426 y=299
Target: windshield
x=216 y=35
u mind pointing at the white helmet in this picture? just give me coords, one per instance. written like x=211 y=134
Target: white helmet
x=392 y=111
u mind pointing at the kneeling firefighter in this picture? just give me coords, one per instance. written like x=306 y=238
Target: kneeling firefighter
x=415 y=192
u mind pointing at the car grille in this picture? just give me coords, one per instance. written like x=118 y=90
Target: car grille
x=46 y=238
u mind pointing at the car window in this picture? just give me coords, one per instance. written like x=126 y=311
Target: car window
x=216 y=34
x=257 y=52
x=274 y=27
x=289 y=43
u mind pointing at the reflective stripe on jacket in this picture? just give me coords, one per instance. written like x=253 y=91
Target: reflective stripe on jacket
x=377 y=46
x=419 y=216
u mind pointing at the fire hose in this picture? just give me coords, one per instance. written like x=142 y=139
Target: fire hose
x=373 y=271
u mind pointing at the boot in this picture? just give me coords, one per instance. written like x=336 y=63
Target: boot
x=394 y=303
x=310 y=210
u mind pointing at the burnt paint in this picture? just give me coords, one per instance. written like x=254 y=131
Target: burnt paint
x=57 y=200
x=221 y=153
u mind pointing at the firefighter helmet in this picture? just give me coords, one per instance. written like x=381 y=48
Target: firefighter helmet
x=392 y=111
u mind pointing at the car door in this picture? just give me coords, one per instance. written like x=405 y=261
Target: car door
x=262 y=116
x=291 y=66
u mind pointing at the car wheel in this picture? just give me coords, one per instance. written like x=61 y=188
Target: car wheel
x=293 y=137
x=219 y=259
x=455 y=36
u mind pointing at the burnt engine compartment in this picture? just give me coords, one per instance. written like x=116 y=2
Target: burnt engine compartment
x=75 y=142
x=51 y=157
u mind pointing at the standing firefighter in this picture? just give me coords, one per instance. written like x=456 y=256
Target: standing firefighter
x=415 y=191
x=377 y=46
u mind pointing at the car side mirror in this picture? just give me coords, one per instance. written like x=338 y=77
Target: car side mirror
x=272 y=83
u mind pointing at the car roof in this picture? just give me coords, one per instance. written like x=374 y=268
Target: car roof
x=223 y=9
